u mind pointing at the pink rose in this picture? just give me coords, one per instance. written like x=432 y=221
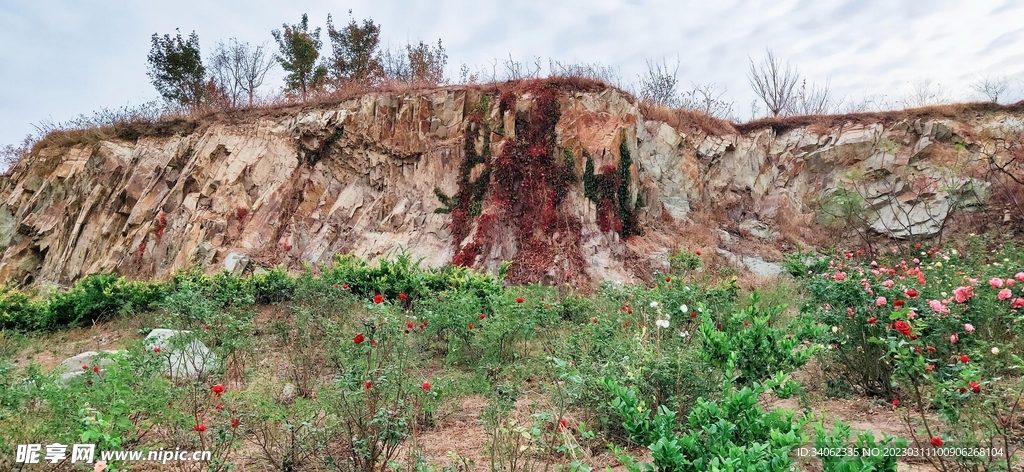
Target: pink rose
x=969 y=327
x=1019 y=276
x=1017 y=303
x=1005 y=294
x=938 y=306
x=996 y=282
x=888 y=283
x=881 y=301
x=953 y=338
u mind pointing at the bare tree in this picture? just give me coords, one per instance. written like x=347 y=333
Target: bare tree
x=395 y=63
x=707 y=99
x=924 y=94
x=813 y=100
x=11 y=154
x=516 y=70
x=773 y=82
x=421 y=63
x=659 y=84
x=990 y=88
x=239 y=69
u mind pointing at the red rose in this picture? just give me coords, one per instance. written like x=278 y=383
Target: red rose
x=217 y=390
x=378 y=299
x=85 y=367
x=96 y=368
x=902 y=327
x=872 y=320
x=344 y=286
x=426 y=385
x=359 y=338
x=910 y=293
x=519 y=300
x=409 y=325
x=975 y=387
x=471 y=326
x=200 y=427
x=403 y=296
x=235 y=422
x=594 y=320
x=898 y=303
x=369 y=384
x=156 y=349
x=482 y=316
x=936 y=441
x=964 y=358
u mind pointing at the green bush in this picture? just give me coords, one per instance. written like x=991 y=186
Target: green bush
x=760 y=349
x=838 y=439
x=734 y=433
x=273 y=287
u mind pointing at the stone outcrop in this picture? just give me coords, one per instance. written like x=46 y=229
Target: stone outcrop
x=570 y=185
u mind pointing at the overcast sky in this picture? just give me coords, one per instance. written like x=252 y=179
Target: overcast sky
x=59 y=59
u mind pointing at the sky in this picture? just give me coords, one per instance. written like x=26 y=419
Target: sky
x=59 y=59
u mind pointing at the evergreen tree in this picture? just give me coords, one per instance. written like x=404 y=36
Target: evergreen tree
x=299 y=52
x=355 y=50
x=176 y=69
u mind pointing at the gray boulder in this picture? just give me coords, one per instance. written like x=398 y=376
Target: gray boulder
x=72 y=366
x=185 y=355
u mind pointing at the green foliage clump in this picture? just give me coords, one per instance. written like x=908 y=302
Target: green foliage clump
x=734 y=433
x=300 y=49
x=760 y=349
x=176 y=69
x=355 y=51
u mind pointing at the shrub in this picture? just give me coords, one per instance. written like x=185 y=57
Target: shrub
x=838 y=439
x=273 y=287
x=760 y=349
x=734 y=433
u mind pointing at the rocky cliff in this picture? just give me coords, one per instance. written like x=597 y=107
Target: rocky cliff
x=571 y=183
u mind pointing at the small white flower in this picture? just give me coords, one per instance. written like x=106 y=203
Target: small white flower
x=835 y=329
x=943 y=294
x=995 y=351
x=684 y=334
x=654 y=304
x=668 y=316
x=684 y=308
x=686 y=288
x=662 y=323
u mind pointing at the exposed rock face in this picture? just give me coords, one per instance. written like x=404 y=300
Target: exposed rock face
x=569 y=185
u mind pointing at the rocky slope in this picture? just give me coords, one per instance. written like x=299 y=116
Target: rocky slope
x=571 y=184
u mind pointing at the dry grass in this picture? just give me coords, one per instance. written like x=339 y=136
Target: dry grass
x=684 y=119
x=954 y=111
